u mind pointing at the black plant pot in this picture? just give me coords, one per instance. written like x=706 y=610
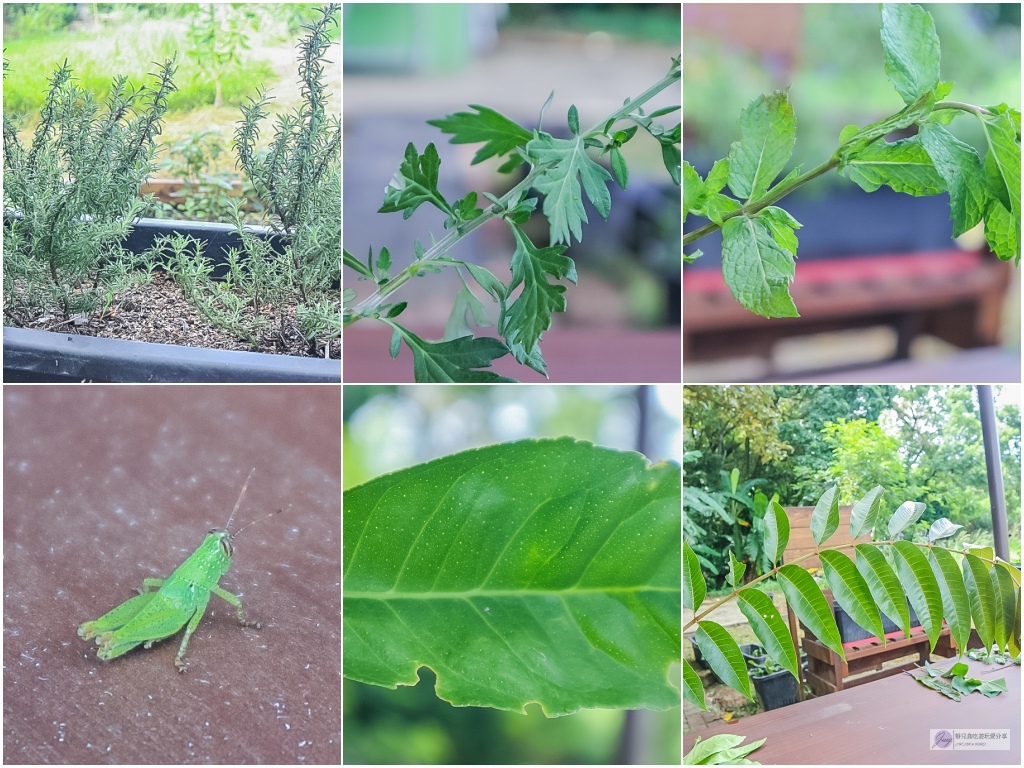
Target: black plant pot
x=775 y=690
x=753 y=654
x=698 y=657
x=43 y=356
x=850 y=630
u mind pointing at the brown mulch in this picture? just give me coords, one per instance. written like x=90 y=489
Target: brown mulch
x=158 y=312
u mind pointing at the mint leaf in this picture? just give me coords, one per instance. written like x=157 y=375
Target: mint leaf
x=958 y=165
x=1000 y=232
x=903 y=165
x=718 y=176
x=526 y=318
x=415 y=183
x=911 y=49
x=781 y=224
x=499 y=134
x=717 y=205
x=767 y=135
x=453 y=361
x=563 y=201
x=693 y=190
x=1002 y=164
x=853 y=140
x=757 y=269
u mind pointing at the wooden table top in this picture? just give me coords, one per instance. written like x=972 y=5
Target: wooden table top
x=884 y=722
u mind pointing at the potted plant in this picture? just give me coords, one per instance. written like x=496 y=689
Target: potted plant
x=74 y=239
x=775 y=685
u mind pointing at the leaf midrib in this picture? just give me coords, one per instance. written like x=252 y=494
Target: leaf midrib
x=386 y=595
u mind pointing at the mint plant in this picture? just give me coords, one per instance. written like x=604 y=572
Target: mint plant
x=516 y=581
x=964 y=587
x=560 y=169
x=759 y=242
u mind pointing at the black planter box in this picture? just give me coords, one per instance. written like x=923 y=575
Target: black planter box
x=850 y=630
x=753 y=654
x=775 y=690
x=32 y=356
x=42 y=356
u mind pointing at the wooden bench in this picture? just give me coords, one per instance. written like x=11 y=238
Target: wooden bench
x=826 y=671
x=956 y=296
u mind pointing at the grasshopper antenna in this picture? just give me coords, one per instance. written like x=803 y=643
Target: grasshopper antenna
x=240 y=497
x=271 y=514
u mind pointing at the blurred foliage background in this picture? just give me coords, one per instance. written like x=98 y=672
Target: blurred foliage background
x=390 y=427
x=921 y=443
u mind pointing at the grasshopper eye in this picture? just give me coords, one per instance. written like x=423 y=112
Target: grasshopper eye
x=225 y=545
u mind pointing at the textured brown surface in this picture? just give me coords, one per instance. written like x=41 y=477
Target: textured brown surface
x=886 y=722
x=106 y=485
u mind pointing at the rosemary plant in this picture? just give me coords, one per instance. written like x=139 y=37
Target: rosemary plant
x=560 y=169
x=71 y=197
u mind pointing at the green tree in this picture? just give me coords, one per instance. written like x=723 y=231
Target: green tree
x=863 y=456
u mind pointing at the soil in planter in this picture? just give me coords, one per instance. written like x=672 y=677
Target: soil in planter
x=159 y=313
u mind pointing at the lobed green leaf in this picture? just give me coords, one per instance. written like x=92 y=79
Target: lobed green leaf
x=415 y=183
x=498 y=134
x=453 y=361
x=537 y=571
x=757 y=270
x=568 y=166
x=524 y=320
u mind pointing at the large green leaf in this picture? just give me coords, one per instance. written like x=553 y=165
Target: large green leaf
x=982 y=598
x=851 y=591
x=955 y=603
x=911 y=49
x=723 y=655
x=806 y=599
x=958 y=165
x=916 y=576
x=757 y=270
x=693 y=689
x=902 y=165
x=825 y=517
x=767 y=136
x=768 y=626
x=884 y=585
x=866 y=511
x=776 y=531
x=694 y=586
x=538 y=571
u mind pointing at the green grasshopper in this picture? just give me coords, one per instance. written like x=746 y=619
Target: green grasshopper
x=179 y=600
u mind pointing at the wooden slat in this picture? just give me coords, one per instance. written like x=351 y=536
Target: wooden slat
x=801 y=542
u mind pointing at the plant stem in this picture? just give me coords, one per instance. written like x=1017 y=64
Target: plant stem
x=772 y=197
x=697 y=617
x=368 y=306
